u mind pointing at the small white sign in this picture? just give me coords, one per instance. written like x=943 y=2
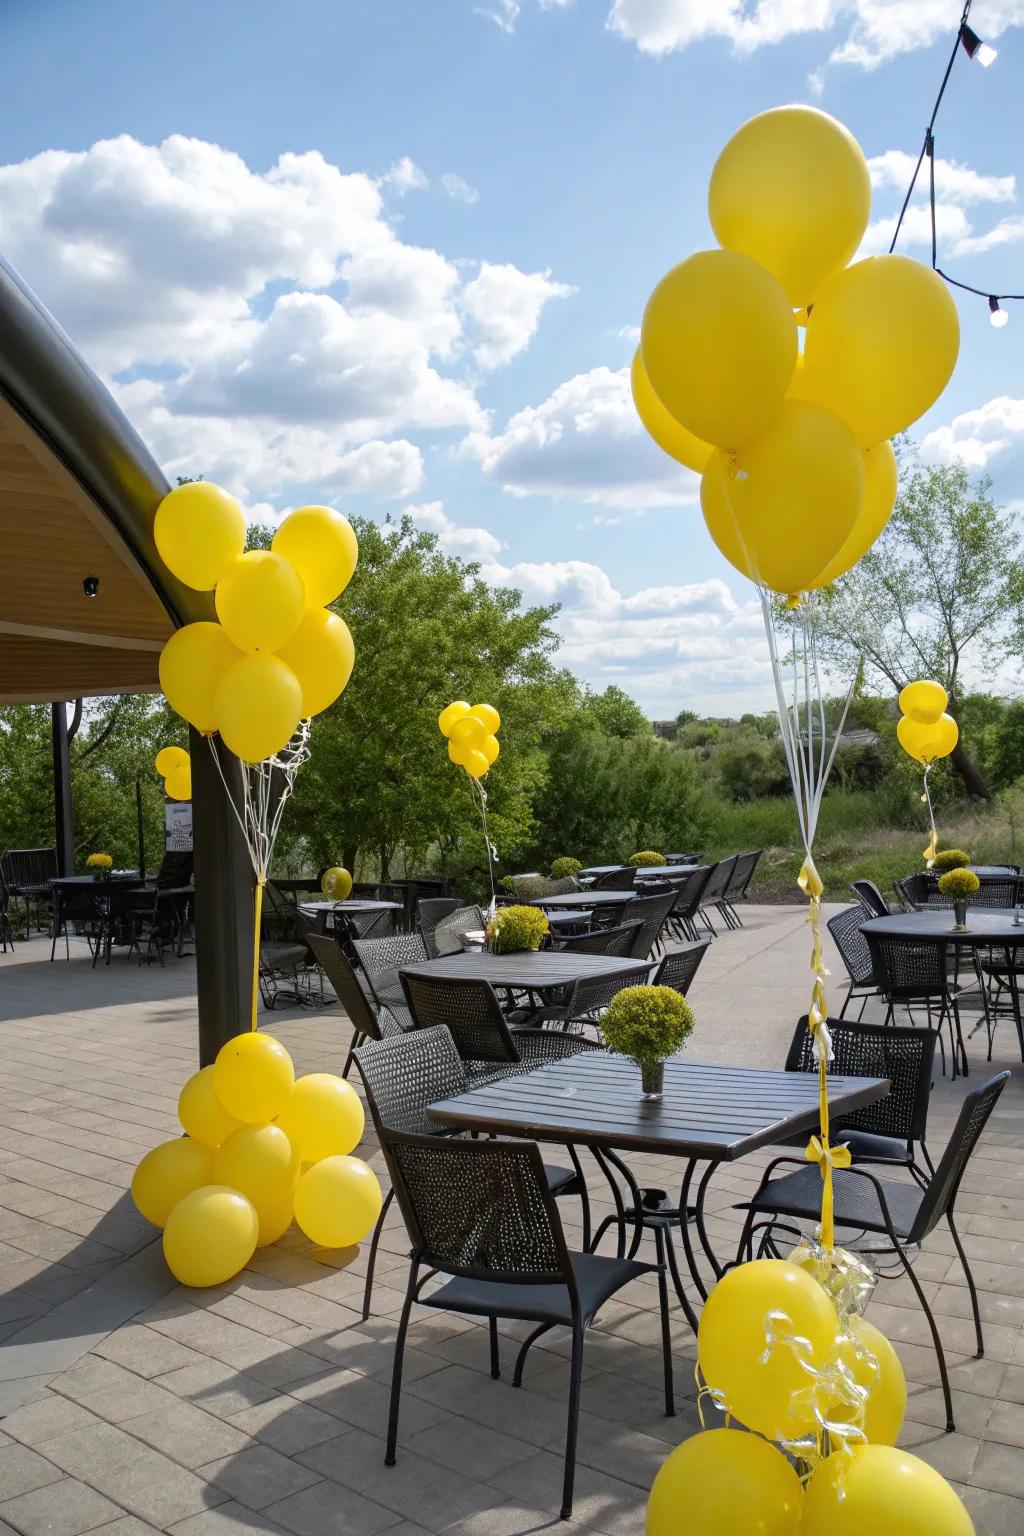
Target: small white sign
x=178 y=826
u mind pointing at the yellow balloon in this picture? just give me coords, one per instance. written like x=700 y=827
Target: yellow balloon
x=259 y=1161
x=880 y=486
x=791 y=189
x=734 y=1334
x=192 y=665
x=336 y=884
x=926 y=743
x=879 y=1488
x=253 y=1076
x=475 y=762
x=338 y=1201
x=924 y=701
x=880 y=1374
x=724 y=1483
x=210 y=1235
x=323 y=548
x=321 y=655
x=458 y=752
x=275 y=1218
x=672 y=438
x=469 y=731
x=323 y=1118
x=169 y=758
x=719 y=346
x=260 y=600
x=199 y=529
x=201 y=1112
x=167 y=1174
x=490 y=749
x=882 y=342
x=448 y=716
x=488 y=717
x=258 y=706
x=178 y=783
x=787 y=502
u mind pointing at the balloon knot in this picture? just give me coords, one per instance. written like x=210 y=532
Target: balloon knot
x=794 y=600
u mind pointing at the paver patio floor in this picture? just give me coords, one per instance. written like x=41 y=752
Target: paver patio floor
x=135 y=1405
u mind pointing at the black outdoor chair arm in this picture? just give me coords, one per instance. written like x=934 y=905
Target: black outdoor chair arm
x=861 y=1173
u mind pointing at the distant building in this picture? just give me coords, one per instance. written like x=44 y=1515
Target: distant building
x=665 y=730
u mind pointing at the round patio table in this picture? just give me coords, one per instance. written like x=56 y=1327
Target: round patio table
x=329 y=911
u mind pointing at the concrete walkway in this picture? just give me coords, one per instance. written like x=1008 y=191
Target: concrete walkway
x=135 y=1405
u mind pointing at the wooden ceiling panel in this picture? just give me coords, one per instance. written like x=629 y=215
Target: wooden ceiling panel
x=34 y=668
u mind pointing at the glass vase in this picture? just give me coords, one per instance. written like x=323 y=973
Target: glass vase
x=652 y=1080
x=960 y=915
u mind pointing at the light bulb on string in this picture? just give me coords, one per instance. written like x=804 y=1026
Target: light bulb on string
x=997 y=316
x=981 y=52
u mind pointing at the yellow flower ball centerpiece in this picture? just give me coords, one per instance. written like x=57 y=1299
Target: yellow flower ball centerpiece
x=647 y=858
x=513 y=929
x=960 y=884
x=100 y=865
x=648 y=1024
x=950 y=858
x=565 y=868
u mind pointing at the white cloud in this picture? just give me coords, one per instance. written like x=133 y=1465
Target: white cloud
x=1008 y=231
x=954 y=182
x=503 y=307
x=505 y=14
x=458 y=188
x=584 y=442
x=629 y=333
x=470 y=543
x=958 y=187
x=975 y=437
x=405 y=176
x=951 y=223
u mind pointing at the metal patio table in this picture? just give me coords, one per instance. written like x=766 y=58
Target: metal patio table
x=325 y=911
x=582 y=899
x=707 y=1114
x=541 y=970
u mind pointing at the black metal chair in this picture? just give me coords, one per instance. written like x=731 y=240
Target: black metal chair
x=912 y=891
x=1001 y=894
x=904 y=1214
x=739 y=885
x=74 y=906
x=481 y=1212
x=870 y=898
x=713 y=894
x=620 y=940
x=368 y=1023
x=846 y=930
x=429 y=912
x=651 y=913
x=176 y=868
x=402 y=1076
x=682 y=920
x=885 y=1132
x=622 y=879
x=587 y=1001
x=380 y=960
x=914 y=973
x=6 y=931
x=469 y=1007
x=449 y=930
x=680 y=966
x=27 y=873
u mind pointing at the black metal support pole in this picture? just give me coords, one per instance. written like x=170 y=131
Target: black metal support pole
x=63 y=814
x=224 y=902
x=140 y=829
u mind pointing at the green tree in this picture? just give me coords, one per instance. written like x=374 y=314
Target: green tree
x=1006 y=758
x=614 y=713
x=942 y=588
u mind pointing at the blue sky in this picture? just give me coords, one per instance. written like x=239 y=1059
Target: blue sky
x=428 y=303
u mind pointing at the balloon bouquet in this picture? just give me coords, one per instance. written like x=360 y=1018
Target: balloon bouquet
x=260 y=1147
x=175 y=768
x=472 y=735
x=926 y=733
x=798 y=479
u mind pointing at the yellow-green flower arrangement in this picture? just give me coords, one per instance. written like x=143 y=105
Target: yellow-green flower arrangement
x=516 y=928
x=563 y=868
x=101 y=861
x=647 y=1024
x=647 y=859
x=959 y=883
x=950 y=858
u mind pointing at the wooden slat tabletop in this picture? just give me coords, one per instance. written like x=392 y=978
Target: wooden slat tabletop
x=713 y=1112
x=584 y=899
x=535 y=970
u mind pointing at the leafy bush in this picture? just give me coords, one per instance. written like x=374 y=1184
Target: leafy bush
x=647 y=1023
x=516 y=928
x=563 y=868
x=646 y=859
x=528 y=887
x=959 y=883
x=950 y=858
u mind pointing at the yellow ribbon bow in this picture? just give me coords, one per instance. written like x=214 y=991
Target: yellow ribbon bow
x=827 y=1158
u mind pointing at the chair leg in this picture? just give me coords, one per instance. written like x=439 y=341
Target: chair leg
x=396 y=1373
x=970 y=1285
x=524 y=1348
x=357 y=1039
x=666 y=1333
x=372 y=1260
x=572 y=1431
x=492 y=1328
x=846 y=1002
x=936 y=1340
x=959 y=1042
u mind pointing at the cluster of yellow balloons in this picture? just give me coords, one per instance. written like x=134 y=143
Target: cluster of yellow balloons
x=798 y=473
x=774 y=1351
x=277 y=653
x=336 y=883
x=472 y=735
x=925 y=731
x=261 y=1149
x=175 y=768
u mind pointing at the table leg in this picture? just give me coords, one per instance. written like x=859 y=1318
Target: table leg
x=620 y=1209
x=636 y=1197
x=684 y=1226
x=1011 y=976
x=702 y=1231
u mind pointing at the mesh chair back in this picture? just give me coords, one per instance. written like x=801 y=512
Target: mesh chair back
x=971 y=1121
x=604 y=941
x=904 y=1056
x=24 y=868
x=718 y=881
x=650 y=912
x=690 y=893
x=175 y=868
x=845 y=929
x=336 y=967
x=381 y=959
x=403 y=1075
x=743 y=873
x=591 y=995
x=678 y=969
x=907 y=969
x=429 y=912
x=870 y=898
x=623 y=879
x=447 y=933
x=912 y=891
x=479 y=1208
x=469 y=1008
x=995 y=893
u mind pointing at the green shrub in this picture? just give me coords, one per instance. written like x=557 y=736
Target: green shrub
x=647 y=1023
x=646 y=859
x=950 y=858
x=516 y=928
x=564 y=868
x=508 y=883
x=959 y=883
x=528 y=887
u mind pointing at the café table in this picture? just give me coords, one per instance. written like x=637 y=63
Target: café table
x=324 y=911
x=589 y=899
x=708 y=1113
x=541 y=970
